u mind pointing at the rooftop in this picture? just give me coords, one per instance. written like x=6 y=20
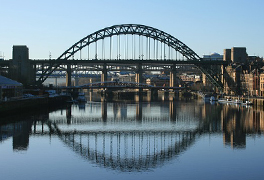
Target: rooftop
x=8 y=82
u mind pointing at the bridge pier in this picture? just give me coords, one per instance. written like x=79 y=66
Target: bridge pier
x=139 y=111
x=56 y=82
x=139 y=73
x=173 y=110
x=104 y=110
x=104 y=73
x=0 y=93
x=68 y=114
x=76 y=81
x=68 y=75
x=165 y=95
x=139 y=96
x=153 y=93
x=173 y=76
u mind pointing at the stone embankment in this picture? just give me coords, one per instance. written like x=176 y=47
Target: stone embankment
x=30 y=104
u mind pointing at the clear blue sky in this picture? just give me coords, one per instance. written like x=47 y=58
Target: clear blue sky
x=206 y=26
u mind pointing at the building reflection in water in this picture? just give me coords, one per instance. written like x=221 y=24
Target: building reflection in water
x=238 y=122
x=234 y=132
x=20 y=129
x=19 y=132
x=136 y=136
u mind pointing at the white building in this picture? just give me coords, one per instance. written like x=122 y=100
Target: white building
x=213 y=57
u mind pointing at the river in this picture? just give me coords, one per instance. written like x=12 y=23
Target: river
x=181 y=139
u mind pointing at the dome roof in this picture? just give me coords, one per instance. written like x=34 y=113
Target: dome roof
x=215 y=54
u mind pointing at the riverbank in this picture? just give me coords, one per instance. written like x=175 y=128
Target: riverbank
x=30 y=104
x=257 y=102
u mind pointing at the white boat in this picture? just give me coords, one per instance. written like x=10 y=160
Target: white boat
x=81 y=97
x=229 y=101
x=222 y=100
x=237 y=101
x=248 y=103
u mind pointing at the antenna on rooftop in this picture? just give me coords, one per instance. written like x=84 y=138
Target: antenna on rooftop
x=49 y=55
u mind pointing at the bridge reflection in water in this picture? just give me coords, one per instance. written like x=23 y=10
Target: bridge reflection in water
x=129 y=151
x=114 y=136
x=122 y=111
x=125 y=137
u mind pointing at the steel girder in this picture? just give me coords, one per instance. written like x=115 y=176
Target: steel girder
x=130 y=29
x=124 y=29
x=212 y=75
x=133 y=29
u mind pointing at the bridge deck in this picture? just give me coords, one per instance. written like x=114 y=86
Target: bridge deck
x=128 y=61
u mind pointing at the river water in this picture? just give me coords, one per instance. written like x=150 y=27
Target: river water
x=182 y=139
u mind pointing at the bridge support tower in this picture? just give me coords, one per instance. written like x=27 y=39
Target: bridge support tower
x=104 y=110
x=21 y=68
x=139 y=78
x=68 y=75
x=153 y=93
x=139 y=111
x=76 y=81
x=139 y=74
x=104 y=74
x=173 y=76
x=68 y=114
x=173 y=110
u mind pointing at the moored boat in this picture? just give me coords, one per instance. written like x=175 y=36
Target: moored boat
x=248 y=103
x=237 y=101
x=222 y=100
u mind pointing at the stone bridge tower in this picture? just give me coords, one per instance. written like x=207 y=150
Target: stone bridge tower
x=21 y=69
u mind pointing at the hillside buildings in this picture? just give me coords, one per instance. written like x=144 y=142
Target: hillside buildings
x=243 y=74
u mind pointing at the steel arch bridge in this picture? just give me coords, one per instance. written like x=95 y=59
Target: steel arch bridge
x=148 y=32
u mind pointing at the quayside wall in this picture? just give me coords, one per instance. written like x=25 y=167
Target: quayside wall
x=30 y=104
